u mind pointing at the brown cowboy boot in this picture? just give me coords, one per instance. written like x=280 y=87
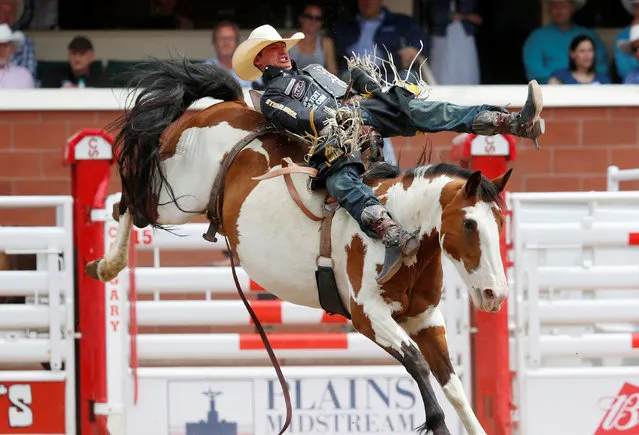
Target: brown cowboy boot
x=399 y=242
x=526 y=123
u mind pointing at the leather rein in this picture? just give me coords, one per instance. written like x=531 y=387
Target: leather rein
x=214 y=214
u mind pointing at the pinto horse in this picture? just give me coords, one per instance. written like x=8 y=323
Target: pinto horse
x=167 y=170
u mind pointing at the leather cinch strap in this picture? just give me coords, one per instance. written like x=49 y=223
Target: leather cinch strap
x=214 y=210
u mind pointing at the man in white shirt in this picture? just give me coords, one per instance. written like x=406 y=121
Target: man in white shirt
x=226 y=37
x=11 y=76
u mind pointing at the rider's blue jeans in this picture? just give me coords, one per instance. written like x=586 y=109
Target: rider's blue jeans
x=433 y=116
x=347 y=188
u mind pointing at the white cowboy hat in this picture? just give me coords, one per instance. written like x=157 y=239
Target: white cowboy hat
x=630 y=5
x=259 y=38
x=6 y=35
x=625 y=45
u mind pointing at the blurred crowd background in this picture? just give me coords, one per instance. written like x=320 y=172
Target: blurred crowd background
x=80 y=43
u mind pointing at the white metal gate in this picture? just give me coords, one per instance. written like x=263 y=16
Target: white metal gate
x=576 y=284
x=37 y=363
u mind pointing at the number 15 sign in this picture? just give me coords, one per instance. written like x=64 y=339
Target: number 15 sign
x=32 y=408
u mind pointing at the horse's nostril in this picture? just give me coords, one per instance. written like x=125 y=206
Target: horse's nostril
x=489 y=294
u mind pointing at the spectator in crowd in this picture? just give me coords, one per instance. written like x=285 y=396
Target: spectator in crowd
x=453 y=55
x=545 y=49
x=581 y=65
x=12 y=76
x=315 y=47
x=80 y=71
x=225 y=38
x=163 y=16
x=45 y=15
x=626 y=62
x=630 y=47
x=24 y=54
x=374 y=28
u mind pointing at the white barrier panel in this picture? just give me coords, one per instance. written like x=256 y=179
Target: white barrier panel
x=29 y=317
x=249 y=347
x=578 y=312
x=221 y=313
x=336 y=400
x=41 y=330
x=22 y=282
x=217 y=280
x=576 y=286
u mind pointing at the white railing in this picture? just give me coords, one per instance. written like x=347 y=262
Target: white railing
x=41 y=330
x=577 y=290
x=615 y=175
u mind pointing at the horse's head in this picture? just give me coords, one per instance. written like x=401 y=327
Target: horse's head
x=472 y=222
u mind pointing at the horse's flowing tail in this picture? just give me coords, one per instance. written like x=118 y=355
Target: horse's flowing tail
x=166 y=89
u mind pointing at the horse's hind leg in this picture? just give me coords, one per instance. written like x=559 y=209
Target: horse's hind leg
x=373 y=319
x=107 y=268
x=429 y=332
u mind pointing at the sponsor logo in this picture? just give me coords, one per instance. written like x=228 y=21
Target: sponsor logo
x=354 y=406
x=622 y=412
x=316 y=99
x=298 y=90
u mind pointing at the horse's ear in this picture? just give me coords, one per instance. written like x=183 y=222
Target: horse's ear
x=470 y=189
x=501 y=181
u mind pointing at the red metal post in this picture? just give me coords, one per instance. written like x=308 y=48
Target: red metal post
x=90 y=156
x=492 y=382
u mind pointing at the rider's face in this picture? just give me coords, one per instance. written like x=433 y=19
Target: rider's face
x=274 y=54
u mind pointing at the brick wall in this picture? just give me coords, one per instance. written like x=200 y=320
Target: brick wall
x=579 y=145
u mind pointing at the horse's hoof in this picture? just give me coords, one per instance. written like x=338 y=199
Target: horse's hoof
x=91 y=269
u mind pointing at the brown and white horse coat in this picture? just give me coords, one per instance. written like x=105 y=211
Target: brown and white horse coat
x=278 y=245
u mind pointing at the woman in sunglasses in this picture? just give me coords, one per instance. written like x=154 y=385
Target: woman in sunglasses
x=315 y=47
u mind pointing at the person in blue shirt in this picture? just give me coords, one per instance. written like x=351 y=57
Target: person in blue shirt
x=626 y=62
x=377 y=27
x=546 y=48
x=630 y=47
x=581 y=65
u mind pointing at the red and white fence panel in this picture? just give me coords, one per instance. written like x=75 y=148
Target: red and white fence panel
x=576 y=283
x=40 y=330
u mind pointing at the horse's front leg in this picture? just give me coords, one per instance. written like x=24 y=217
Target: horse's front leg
x=428 y=330
x=107 y=268
x=373 y=318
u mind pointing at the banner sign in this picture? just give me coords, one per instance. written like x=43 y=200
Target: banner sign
x=350 y=405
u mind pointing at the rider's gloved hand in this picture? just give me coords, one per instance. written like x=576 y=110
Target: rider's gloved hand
x=375 y=142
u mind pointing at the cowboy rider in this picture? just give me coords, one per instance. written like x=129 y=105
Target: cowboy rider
x=302 y=101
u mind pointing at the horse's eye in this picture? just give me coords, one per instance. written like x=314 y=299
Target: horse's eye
x=470 y=225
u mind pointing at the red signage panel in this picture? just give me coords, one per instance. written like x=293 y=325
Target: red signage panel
x=32 y=407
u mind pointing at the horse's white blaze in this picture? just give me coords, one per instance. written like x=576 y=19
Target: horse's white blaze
x=490 y=274
x=455 y=394
x=430 y=318
x=191 y=171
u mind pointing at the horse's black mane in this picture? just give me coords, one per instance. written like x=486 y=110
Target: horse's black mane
x=488 y=192
x=166 y=89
